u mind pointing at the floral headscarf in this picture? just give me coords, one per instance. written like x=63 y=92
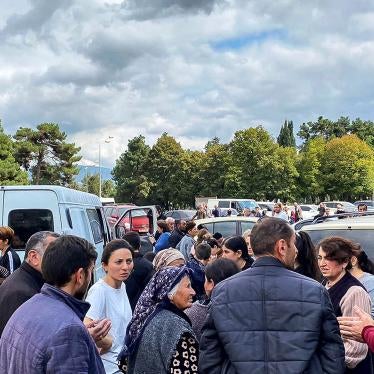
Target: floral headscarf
x=154 y=293
x=166 y=257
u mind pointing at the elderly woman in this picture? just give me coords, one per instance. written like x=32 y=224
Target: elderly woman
x=334 y=261
x=168 y=257
x=160 y=339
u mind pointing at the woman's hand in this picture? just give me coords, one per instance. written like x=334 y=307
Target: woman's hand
x=99 y=329
x=351 y=327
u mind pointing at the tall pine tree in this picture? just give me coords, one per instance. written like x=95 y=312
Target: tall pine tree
x=286 y=137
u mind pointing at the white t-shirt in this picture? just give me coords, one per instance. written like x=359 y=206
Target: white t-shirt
x=112 y=303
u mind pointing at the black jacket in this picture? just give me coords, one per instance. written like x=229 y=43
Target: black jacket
x=268 y=319
x=139 y=278
x=20 y=286
x=175 y=237
x=10 y=260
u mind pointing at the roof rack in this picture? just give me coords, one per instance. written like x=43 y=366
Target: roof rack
x=346 y=215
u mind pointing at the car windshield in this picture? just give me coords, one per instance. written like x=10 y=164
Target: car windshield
x=363 y=237
x=247 y=204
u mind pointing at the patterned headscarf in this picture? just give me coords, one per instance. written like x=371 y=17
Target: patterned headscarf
x=166 y=257
x=154 y=293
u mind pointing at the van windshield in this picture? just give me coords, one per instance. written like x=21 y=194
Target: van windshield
x=247 y=204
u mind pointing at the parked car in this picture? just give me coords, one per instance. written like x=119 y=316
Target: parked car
x=228 y=226
x=347 y=206
x=238 y=204
x=359 y=228
x=309 y=211
x=138 y=221
x=183 y=214
x=225 y=211
x=266 y=206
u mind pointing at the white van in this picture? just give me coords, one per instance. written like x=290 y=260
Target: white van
x=28 y=209
x=238 y=204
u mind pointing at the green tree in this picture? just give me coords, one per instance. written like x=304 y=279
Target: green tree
x=129 y=172
x=46 y=154
x=364 y=130
x=347 y=168
x=324 y=128
x=165 y=170
x=308 y=166
x=286 y=136
x=259 y=168
x=10 y=172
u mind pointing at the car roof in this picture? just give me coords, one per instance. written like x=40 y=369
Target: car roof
x=358 y=222
x=225 y=219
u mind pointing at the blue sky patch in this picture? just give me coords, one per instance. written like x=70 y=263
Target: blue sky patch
x=249 y=39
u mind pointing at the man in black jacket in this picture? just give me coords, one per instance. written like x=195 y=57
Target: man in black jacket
x=142 y=272
x=269 y=319
x=27 y=280
x=178 y=233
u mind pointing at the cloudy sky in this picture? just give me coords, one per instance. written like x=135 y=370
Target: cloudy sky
x=193 y=68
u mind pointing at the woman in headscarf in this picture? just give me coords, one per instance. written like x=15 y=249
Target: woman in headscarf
x=168 y=257
x=159 y=338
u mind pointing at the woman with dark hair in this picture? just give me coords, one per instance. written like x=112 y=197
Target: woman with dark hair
x=363 y=270
x=9 y=258
x=215 y=272
x=235 y=248
x=306 y=259
x=216 y=249
x=108 y=299
x=159 y=338
x=334 y=260
x=163 y=240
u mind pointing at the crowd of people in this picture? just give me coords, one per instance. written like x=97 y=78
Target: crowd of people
x=268 y=301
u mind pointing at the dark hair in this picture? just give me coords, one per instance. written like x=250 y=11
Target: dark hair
x=113 y=246
x=203 y=251
x=149 y=256
x=37 y=241
x=64 y=257
x=339 y=249
x=217 y=235
x=6 y=232
x=133 y=238
x=190 y=225
x=161 y=223
x=237 y=243
x=307 y=256
x=362 y=205
x=364 y=263
x=220 y=269
x=201 y=226
x=213 y=243
x=267 y=232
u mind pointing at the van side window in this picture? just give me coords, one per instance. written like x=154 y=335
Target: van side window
x=26 y=222
x=96 y=228
x=223 y=204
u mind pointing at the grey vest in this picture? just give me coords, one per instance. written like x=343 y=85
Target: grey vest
x=158 y=344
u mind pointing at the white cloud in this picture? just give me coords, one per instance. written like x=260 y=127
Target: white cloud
x=194 y=69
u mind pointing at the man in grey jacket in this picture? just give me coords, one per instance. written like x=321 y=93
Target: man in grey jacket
x=188 y=241
x=269 y=319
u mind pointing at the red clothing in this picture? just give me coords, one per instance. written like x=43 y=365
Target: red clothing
x=368 y=336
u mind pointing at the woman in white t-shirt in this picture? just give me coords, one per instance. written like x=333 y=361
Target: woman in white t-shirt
x=108 y=299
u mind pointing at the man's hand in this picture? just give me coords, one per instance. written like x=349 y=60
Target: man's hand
x=99 y=329
x=351 y=327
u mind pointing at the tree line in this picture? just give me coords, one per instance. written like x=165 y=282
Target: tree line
x=335 y=160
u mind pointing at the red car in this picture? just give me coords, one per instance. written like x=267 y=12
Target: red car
x=135 y=220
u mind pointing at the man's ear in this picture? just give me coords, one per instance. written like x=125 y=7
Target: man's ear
x=80 y=276
x=239 y=253
x=280 y=249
